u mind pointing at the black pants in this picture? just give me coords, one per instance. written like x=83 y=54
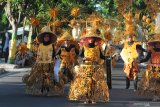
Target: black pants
x=6 y=54
x=128 y=83
x=67 y=73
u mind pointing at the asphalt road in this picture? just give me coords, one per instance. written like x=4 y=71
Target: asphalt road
x=12 y=94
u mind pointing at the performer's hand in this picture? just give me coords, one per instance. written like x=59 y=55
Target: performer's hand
x=115 y=54
x=84 y=59
x=57 y=57
x=53 y=61
x=136 y=60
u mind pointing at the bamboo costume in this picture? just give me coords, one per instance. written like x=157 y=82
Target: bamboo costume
x=129 y=54
x=68 y=57
x=110 y=51
x=23 y=57
x=41 y=79
x=89 y=83
x=67 y=53
x=150 y=82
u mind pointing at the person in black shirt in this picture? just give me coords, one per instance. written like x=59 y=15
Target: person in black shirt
x=67 y=53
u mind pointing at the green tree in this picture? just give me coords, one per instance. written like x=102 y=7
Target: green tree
x=15 y=12
x=3 y=19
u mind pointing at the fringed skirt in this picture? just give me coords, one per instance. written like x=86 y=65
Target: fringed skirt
x=150 y=82
x=41 y=81
x=89 y=83
x=131 y=70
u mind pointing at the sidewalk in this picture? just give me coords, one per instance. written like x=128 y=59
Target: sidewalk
x=5 y=67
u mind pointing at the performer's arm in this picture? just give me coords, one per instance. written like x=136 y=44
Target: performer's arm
x=54 y=52
x=101 y=55
x=58 y=52
x=81 y=54
x=139 y=47
x=147 y=58
x=77 y=51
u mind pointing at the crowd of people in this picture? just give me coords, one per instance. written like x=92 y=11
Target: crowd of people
x=149 y=83
x=60 y=60
x=23 y=57
x=81 y=64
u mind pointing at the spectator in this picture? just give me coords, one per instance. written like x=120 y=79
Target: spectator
x=6 y=46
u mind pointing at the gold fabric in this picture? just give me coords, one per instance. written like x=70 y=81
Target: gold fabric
x=68 y=61
x=110 y=52
x=89 y=83
x=66 y=36
x=150 y=82
x=41 y=81
x=129 y=54
x=93 y=54
x=90 y=32
x=44 y=54
x=131 y=70
x=65 y=66
x=68 y=56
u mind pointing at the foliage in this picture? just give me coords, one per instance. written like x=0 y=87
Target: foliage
x=3 y=21
x=107 y=8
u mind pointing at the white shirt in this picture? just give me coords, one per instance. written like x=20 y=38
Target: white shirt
x=6 y=44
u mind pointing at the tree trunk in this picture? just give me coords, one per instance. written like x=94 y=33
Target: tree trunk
x=29 y=42
x=12 y=48
x=14 y=21
x=24 y=25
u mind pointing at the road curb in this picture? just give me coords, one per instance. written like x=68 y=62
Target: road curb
x=8 y=66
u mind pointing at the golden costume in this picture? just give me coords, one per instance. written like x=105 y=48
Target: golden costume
x=67 y=64
x=35 y=48
x=89 y=81
x=41 y=79
x=68 y=57
x=150 y=82
x=110 y=52
x=129 y=54
x=24 y=56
